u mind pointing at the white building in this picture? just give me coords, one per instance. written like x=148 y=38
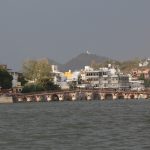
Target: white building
x=55 y=68
x=136 y=84
x=16 y=86
x=145 y=63
x=105 y=78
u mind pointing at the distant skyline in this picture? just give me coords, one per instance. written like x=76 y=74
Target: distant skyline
x=62 y=29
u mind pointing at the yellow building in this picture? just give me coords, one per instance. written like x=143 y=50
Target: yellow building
x=68 y=75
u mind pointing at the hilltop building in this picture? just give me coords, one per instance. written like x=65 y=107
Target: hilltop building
x=145 y=63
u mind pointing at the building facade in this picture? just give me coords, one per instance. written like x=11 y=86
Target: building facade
x=105 y=78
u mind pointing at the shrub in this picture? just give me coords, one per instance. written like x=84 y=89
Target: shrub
x=32 y=88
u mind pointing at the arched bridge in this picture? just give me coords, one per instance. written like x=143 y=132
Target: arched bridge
x=80 y=95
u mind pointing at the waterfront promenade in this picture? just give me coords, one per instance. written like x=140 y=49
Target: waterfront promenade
x=73 y=95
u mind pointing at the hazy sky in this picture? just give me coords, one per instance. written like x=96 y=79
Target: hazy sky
x=61 y=29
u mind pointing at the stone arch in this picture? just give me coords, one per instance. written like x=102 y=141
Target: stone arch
x=55 y=97
x=29 y=98
x=43 y=98
x=96 y=96
x=82 y=96
x=24 y=98
x=39 y=98
x=132 y=96
x=88 y=96
x=67 y=97
x=33 y=98
x=48 y=98
x=19 y=99
x=108 y=96
x=74 y=96
x=120 y=96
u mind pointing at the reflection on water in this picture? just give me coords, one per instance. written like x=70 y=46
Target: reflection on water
x=79 y=125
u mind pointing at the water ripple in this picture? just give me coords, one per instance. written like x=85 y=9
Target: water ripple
x=81 y=125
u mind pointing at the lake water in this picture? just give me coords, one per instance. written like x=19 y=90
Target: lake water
x=78 y=125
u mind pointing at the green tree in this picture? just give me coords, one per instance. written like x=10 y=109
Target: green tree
x=79 y=79
x=142 y=77
x=146 y=81
x=44 y=85
x=5 y=79
x=48 y=84
x=32 y=88
x=22 y=79
x=36 y=70
x=72 y=85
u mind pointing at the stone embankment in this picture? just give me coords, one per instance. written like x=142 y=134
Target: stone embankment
x=6 y=99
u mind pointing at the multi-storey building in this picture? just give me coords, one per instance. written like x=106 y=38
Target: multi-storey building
x=106 y=78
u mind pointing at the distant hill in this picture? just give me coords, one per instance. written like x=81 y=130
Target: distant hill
x=78 y=62
x=82 y=60
x=53 y=62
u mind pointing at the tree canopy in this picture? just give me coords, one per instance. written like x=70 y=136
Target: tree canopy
x=22 y=79
x=146 y=81
x=5 y=79
x=36 y=70
x=45 y=85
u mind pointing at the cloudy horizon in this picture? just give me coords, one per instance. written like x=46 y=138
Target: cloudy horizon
x=62 y=29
